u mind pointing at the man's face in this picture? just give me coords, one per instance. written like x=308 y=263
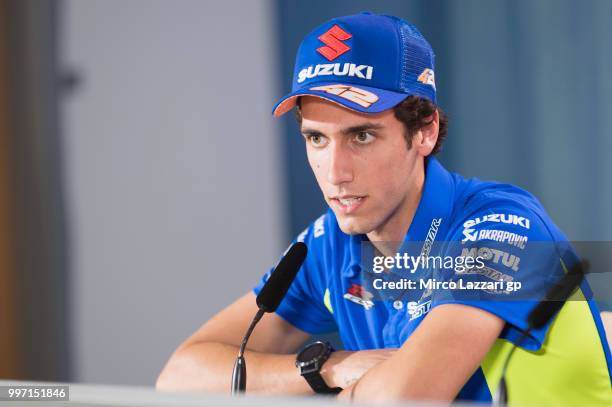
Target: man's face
x=362 y=163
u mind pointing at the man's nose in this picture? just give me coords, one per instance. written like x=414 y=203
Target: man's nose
x=341 y=165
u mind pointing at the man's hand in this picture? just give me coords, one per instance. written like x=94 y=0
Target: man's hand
x=435 y=362
x=343 y=368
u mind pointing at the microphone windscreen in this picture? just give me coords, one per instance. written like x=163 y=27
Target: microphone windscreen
x=557 y=295
x=274 y=290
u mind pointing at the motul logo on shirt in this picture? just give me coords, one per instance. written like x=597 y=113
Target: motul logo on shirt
x=334 y=47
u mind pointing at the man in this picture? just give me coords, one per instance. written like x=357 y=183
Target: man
x=364 y=93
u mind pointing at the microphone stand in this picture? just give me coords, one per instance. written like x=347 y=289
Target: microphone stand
x=239 y=375
x=268 y=299
x=501 y=397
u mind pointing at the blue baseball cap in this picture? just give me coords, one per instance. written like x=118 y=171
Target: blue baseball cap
x=365 y=62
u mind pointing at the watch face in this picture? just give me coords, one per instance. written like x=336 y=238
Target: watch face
x=311 y=352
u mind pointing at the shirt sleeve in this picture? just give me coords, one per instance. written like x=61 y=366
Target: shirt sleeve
x=303 y=306
x=511 y=246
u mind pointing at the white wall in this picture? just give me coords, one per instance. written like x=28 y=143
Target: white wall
x=172 y=170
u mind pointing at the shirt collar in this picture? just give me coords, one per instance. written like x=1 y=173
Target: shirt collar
x=436 y=203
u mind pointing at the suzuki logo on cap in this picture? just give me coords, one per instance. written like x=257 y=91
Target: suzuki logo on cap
x=333 y=40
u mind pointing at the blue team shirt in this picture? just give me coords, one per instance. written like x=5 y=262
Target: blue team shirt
x=334 y=289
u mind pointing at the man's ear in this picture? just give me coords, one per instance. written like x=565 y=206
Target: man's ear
x=425 y=139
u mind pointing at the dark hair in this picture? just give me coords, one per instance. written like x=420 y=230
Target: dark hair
x=413 y=112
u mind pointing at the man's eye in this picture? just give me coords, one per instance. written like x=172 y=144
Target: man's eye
x=317 y=140
x=363 y=137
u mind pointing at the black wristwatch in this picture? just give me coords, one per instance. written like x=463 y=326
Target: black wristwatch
x=310 y=360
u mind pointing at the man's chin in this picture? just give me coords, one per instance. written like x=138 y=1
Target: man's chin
x=353 y=226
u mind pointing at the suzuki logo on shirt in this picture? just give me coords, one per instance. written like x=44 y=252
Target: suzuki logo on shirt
x=359 y=295
x=499 y=218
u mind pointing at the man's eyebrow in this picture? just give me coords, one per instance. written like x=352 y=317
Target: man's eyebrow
x=310 y=132
x=346 y=131
x=362 y=127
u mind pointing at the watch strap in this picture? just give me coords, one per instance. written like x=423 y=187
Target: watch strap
x=315 y=380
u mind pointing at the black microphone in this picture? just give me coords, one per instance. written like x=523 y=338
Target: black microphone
x=555 y=298
x=275 y=289
x=268 y=299
x=557 y=295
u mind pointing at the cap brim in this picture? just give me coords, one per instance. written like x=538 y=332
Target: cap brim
x=364 y=99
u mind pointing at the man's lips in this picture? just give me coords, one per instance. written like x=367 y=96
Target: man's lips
x=347 y=204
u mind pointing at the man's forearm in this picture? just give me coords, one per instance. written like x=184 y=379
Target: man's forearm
x=208 y=366
x=435 y=362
